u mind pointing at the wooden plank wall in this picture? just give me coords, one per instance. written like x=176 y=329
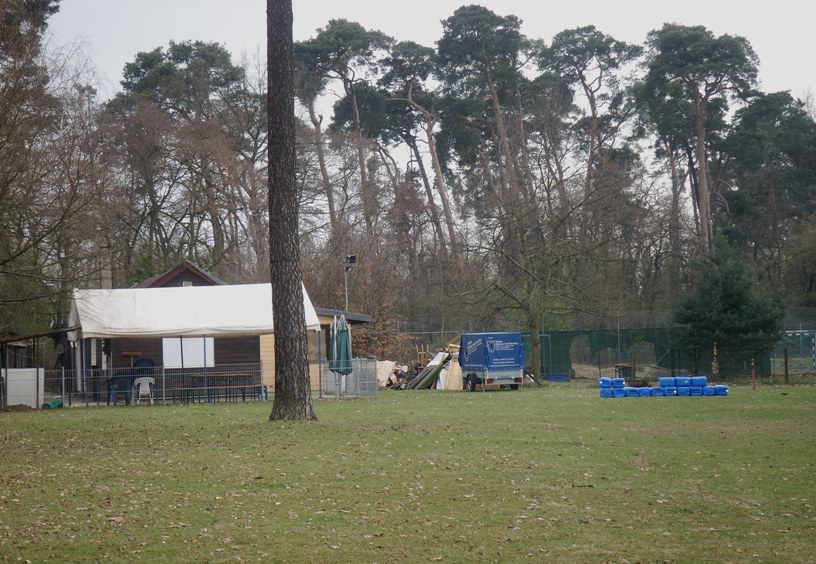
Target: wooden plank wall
x=267 y=352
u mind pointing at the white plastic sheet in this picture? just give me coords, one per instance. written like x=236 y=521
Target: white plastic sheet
x=241 y=309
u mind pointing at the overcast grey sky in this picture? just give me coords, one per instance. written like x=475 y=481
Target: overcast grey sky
x=113 y=31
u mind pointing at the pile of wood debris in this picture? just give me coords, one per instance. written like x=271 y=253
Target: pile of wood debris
x=431 y=370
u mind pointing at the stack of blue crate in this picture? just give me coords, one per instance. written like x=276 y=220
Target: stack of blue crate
x=686 y=386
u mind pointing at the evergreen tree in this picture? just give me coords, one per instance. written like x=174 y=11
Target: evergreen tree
x=724 y=308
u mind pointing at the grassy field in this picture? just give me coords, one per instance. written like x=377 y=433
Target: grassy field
x=554 y=474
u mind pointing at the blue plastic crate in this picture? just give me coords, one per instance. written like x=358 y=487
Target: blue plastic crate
x=667 y=381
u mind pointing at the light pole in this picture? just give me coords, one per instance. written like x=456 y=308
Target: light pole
x=87 y=91
x=348 y=264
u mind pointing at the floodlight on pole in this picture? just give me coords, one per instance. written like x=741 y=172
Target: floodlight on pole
x=348 y=265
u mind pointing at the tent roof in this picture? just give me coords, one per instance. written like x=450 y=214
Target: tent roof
x=186 y=311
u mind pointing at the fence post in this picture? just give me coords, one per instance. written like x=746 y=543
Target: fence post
x=786 y=364
x=753 y=375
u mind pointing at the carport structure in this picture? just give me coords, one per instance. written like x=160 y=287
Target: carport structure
x=208 y=334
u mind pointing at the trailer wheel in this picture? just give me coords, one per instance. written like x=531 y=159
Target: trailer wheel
x=471 y=383
x=514 y=386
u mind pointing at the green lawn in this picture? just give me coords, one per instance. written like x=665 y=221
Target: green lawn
x=555 y=474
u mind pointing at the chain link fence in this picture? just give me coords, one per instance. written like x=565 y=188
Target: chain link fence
x=360 y=382
x=40 y=388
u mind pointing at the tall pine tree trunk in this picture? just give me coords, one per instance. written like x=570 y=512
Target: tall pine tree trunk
x=410 y=140
x=321 y=161
x=704 y=197
x=292 y=391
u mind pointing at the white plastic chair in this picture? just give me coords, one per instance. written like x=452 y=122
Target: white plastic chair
x=143 y=388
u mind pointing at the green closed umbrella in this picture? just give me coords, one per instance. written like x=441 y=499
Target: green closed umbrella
x=340 y=347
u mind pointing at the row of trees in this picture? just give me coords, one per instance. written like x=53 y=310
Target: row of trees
x=492 y=182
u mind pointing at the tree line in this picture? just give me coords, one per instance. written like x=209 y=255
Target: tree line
x=493 y=181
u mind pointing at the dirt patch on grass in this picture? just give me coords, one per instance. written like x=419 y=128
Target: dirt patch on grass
x=19 y=407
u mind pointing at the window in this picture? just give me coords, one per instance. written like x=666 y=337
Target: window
x=188 y=352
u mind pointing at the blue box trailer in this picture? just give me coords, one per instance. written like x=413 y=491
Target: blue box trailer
x=491 y=360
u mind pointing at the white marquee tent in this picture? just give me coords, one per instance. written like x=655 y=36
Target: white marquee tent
x=188 y=311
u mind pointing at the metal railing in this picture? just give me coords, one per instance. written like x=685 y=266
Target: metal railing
x=60 y=387
x=53 y=388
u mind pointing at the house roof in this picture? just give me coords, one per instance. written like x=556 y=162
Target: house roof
x=351 y=317
x=184 y=271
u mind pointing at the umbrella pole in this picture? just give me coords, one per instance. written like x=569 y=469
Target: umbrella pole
x=334 y=356
x=319 y=367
